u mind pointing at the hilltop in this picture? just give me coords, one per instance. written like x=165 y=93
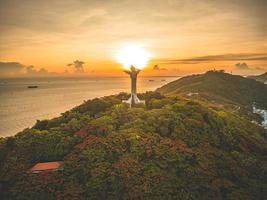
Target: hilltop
x=220 y=87
x=170 y=148
x=261 y=78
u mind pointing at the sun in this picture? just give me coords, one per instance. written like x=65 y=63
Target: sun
x=133 y=54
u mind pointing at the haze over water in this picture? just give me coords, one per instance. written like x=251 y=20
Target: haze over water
x=20 y=106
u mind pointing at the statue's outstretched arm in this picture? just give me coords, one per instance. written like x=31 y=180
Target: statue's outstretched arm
x=127 y=71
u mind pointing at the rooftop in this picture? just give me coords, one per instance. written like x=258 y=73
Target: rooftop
x=46 y=166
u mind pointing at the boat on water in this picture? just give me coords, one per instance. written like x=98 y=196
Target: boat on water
x=32 y=86
x=151 y=80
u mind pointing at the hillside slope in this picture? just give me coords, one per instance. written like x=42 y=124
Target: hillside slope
x=221 y=87
x=261 y=78
x=172 y=148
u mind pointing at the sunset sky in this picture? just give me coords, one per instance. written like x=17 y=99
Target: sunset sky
x=67 y=37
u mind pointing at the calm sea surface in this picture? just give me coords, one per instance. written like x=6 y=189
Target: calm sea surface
x=20 y=106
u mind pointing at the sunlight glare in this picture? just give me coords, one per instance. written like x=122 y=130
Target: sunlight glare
x=133 y=55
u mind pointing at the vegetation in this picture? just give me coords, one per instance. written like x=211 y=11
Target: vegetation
x=261 y=78
x=170 y=148
x=220 y=87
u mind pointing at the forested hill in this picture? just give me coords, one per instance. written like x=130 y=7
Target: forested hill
x=170 y=148
x=262 y=78
x=221 y=87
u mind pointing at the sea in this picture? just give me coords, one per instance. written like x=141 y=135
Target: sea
x=21 y=106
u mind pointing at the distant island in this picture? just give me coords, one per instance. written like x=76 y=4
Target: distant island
x=195 y=138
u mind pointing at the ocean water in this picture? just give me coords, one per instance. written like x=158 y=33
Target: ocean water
x=263 y=114
x=21 y=106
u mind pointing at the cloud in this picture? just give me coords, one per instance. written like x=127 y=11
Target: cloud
x=222 y=57
x=78 y=65
x=102 y=23
x=10 y=68
x=245 y=66
x=157 y=68
x=18 y=69
x=30 y=70
x=242 y=66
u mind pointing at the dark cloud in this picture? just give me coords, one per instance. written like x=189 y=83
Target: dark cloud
x=10 y=68
x=78 y=65
x=242 y=66
x=18 y=69
x=210 y=58
x=156 y=67
x=245 y=66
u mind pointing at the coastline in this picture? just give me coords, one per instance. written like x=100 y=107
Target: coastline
x=20 y=107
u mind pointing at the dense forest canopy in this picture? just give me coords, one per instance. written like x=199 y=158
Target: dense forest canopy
x=173 y=147
x=221 y=87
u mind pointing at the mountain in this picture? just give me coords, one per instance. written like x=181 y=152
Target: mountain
x=220 y=87
x=171 y=148
x=261 y=78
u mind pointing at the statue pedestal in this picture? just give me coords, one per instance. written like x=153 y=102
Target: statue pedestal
x=133 y=100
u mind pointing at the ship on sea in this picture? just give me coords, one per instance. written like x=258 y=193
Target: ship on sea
x=32 y=86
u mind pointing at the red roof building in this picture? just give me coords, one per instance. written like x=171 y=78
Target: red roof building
x=47 y=166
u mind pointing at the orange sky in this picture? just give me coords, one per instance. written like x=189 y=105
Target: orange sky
x=183 y=36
